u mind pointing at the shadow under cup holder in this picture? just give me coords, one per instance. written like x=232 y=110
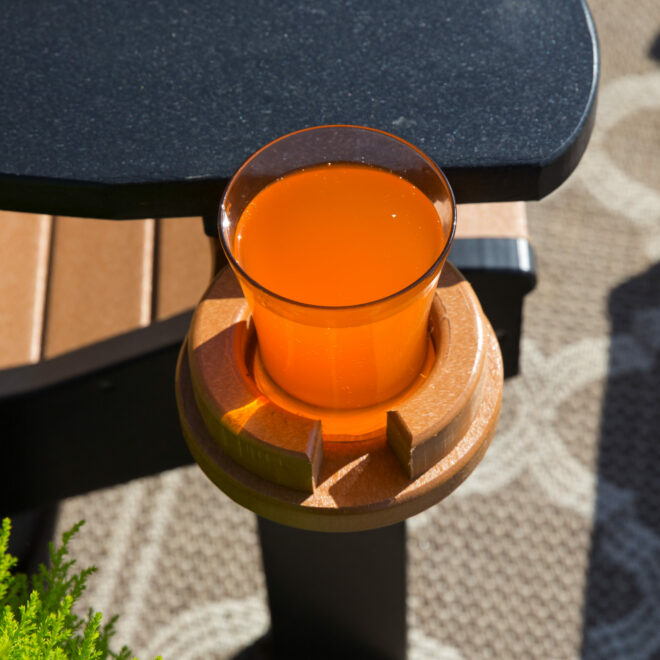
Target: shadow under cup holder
x=278 y=463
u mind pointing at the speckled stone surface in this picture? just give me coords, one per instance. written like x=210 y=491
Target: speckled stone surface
x=124 y=109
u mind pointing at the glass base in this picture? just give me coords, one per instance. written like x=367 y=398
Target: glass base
x=353 y=425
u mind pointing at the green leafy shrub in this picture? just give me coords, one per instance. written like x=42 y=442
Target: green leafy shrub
x=36 y=617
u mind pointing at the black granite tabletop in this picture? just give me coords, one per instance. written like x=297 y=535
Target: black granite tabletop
x=118 y=108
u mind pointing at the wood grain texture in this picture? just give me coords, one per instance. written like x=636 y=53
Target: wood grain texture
x=492 y=220
x=429 y=423
x=184 y=257
x=80 y=294
x=24 y=254
x=360 y=485
x=277 y=445
x=100 y=281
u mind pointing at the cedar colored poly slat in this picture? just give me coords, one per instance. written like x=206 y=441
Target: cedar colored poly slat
x=494 y=220
x=184 y=265
x=24 y=250
x=100 y=281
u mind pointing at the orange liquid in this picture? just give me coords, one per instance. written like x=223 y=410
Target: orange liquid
x=341 y=235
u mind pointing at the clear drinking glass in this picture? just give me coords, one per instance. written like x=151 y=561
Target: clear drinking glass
x=338 y=356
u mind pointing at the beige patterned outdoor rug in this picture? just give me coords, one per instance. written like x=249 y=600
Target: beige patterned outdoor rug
x=551 y=549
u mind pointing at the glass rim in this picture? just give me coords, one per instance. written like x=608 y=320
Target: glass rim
x=327 y=308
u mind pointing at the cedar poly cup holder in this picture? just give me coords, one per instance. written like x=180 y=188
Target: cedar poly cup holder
x=277 y=463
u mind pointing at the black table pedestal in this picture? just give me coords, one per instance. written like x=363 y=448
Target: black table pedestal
x=335 y=595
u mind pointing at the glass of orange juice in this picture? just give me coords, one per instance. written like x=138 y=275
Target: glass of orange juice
x=337 y=235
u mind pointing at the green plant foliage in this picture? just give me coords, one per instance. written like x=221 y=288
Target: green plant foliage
x=36 y=617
